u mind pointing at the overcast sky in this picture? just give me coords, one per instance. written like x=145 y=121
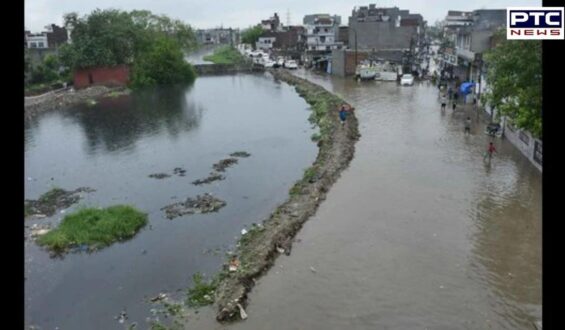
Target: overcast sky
x=244 y=13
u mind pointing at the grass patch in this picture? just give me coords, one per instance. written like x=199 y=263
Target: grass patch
x=173 y=309
x=52 y=195
x=316 y=137
x=225 y=55
x=158 y=326
x=202 y=292
x=296 y=189
x=95 y=227
x=251 y=234
x=309 y=174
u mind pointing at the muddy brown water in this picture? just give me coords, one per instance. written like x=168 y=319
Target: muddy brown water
x=418 y=233
x=115 y=145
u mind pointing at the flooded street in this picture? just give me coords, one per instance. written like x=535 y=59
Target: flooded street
x=418 y=233
x=115 y=145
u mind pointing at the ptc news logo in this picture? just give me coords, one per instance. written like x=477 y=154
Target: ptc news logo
x=534 y=23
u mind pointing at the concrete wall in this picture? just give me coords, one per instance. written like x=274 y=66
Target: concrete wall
x=526 y=143
x=343 y=61
x=107 y=76
x=480 y=40
x=380 y=35
x=219 y=69
x=338 y=62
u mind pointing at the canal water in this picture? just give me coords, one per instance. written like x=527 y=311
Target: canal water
x=418 y=233
x=115 y=145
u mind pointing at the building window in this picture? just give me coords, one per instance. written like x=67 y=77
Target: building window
x=33 y=45
x=40 y=45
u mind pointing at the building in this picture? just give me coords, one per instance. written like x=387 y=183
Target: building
x=384 y=28
x=322 y=32
x=266 y=41
x=290 y=39
x=321 y=37
x=217 y=36
x=471 y=34
x=343 y=35
x=272 y=24
x=37 y=41
x=388 y=29
x=380 y=34
x=54 y=37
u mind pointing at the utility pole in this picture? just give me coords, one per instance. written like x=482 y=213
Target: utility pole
x=355 y=31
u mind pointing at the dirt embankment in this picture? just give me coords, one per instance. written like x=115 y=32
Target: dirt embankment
x=258 y=249
x=60 y=99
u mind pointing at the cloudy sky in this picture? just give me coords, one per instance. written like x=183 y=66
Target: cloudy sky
x=243 y=13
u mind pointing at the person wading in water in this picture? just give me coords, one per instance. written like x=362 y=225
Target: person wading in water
x=491 y=149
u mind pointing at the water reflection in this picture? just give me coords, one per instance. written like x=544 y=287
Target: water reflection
x=116 y=124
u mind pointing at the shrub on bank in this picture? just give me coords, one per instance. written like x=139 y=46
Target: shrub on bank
x=163 y=64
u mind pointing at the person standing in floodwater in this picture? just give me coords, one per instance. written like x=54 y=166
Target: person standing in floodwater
x=491 y=149
x=468 y=125
x=443 y=102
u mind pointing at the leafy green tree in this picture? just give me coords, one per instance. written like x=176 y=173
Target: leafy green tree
x=152 y=44
x=514 y=74
x=164 y=63
x=103 y=38
x=251 y=35
x=153 y=25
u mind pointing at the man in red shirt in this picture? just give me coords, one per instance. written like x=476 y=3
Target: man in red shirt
x=491 y=149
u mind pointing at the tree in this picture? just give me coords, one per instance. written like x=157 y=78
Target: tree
x=103 y=38
x=152 y=44
x=164 y=63
x=251 y=35
x=515 y=78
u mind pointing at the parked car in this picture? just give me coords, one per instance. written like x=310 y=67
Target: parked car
x=290 y=64
x=407 y=80
x=269 y=63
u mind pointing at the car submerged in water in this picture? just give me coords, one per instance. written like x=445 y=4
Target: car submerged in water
x=407 y=80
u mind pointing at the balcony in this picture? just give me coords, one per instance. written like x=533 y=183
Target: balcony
x=465 y=54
